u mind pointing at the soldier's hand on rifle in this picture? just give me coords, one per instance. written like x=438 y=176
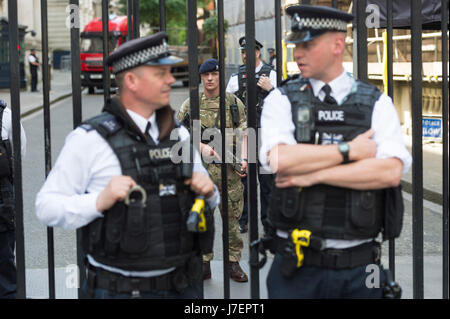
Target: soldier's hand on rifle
x=264 y=83
x=116 y=190
x=201 y=184
x=244 y=166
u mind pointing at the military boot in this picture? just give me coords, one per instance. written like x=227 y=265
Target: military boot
x=206 y=270
x=236 y=272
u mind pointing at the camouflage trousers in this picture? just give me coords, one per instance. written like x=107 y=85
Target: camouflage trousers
x=235 y=205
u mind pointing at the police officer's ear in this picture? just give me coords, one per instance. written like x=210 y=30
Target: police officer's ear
x=130 y=80
x=338 y=39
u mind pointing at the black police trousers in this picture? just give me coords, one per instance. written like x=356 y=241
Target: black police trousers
x=8 y=274
x=311 y=282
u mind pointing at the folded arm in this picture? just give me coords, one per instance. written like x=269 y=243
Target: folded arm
x=371 y=173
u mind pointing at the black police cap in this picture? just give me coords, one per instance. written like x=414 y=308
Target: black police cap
x=209 y=65
x=149 y=50
x=309 y=22
x=243 y=43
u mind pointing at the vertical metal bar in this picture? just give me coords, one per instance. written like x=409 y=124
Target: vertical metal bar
x=76 y=106
x=417 y=169
x=252 y=149
x=390 y=92
x=225 y=226
x=278 y=49
x=445 y=150
x=47 y=139
x=162 y=15
x=361 y=38
x=130 y=19
x=17 y=164
x=136 y=32
x=106 y=37
x=334 y=3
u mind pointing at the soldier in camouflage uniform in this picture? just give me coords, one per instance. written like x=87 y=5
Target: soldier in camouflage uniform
x=235 y=119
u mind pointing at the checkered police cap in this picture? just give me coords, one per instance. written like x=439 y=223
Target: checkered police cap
x=308 y=22
x=150 y=50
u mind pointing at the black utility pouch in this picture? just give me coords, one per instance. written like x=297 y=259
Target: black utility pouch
x=114 y=224
x=206 y=239
x=284 y=206
x=134 y=239
x=363 y=211
x=94 y=233
x=394 y=209
x=290 y=203
x=288 y=264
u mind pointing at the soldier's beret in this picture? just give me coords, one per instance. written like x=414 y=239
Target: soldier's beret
x=308 y=21
x=209 y=65
x=242 y=43
x=149 y=50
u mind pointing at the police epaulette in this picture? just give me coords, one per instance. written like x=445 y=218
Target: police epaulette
x=87 y=127
x=106 y=124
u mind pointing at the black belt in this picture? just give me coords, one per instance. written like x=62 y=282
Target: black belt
x=116 y=283
x=364 y=254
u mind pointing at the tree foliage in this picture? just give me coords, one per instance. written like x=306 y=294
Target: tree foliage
x=175 y=11
x=210 y=27
x=176 y=17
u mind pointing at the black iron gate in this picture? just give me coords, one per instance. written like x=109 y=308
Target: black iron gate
x=362 y=73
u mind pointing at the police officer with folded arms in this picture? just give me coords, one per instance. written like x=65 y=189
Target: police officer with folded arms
x=117 y=180
x=336 y=146
x=8 y=273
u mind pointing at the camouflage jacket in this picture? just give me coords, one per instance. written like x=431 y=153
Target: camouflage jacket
x=210 y=111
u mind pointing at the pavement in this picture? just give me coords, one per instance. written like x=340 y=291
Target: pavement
x=30 y=102
x=432 y=181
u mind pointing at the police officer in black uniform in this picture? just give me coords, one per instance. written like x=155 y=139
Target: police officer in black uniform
x=336 y=146
x=119 y=179
x=266 y=78
x=33 y=61
x=7 y=219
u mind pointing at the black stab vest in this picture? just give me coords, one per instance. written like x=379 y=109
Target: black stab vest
x=329 y=211
x=155 y=237
x=242 y=82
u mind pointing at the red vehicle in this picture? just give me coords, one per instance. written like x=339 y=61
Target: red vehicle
x=92 y=49
x=92 y=52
